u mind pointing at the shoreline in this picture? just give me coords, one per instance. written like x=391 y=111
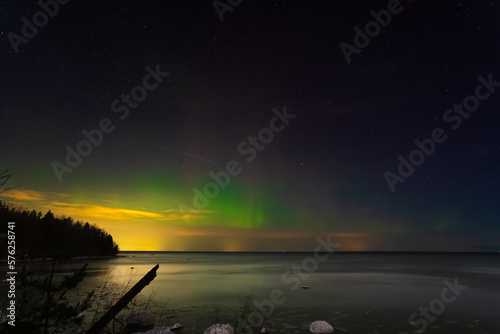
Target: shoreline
x=471 y=253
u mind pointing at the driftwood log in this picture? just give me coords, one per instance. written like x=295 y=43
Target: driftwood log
x=115 y=309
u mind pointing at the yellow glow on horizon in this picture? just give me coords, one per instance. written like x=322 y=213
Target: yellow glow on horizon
x=141 y=228
x=136 y=236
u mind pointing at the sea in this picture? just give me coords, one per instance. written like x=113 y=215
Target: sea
x=359 y=292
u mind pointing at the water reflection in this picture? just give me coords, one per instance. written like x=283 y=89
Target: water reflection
x=376 y=281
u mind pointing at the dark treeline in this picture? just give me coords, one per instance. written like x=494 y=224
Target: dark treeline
x=48 y=236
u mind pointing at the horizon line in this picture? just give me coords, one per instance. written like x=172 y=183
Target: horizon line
x=281 y=252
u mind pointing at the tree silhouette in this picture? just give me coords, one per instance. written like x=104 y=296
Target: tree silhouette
x=57 y=238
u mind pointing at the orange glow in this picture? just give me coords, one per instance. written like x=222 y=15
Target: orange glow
x=141 y=228
x=25 y=195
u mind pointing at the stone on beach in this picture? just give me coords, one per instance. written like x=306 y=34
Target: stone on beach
x=219 y=329
x=320 y=326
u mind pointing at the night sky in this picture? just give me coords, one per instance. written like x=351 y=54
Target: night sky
x=302 y=124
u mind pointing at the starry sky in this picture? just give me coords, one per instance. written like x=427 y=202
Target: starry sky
x=309 y=114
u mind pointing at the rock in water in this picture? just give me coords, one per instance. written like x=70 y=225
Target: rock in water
x=140 y=322
x=219 y=329
x=164 y=329
x=320 y=326
x=159 y=330
x=141 y=319
x=77 y=317
x=176 y=325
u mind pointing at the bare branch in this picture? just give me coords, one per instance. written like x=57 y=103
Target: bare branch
x=4 y=178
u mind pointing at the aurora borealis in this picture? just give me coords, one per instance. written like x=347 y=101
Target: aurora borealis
x=322 y=172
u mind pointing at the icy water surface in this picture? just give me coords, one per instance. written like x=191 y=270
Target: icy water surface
x=369 y=293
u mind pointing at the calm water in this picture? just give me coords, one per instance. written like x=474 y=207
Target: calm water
x=353 y=294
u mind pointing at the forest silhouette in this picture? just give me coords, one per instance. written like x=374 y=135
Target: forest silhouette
x=53 y=237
